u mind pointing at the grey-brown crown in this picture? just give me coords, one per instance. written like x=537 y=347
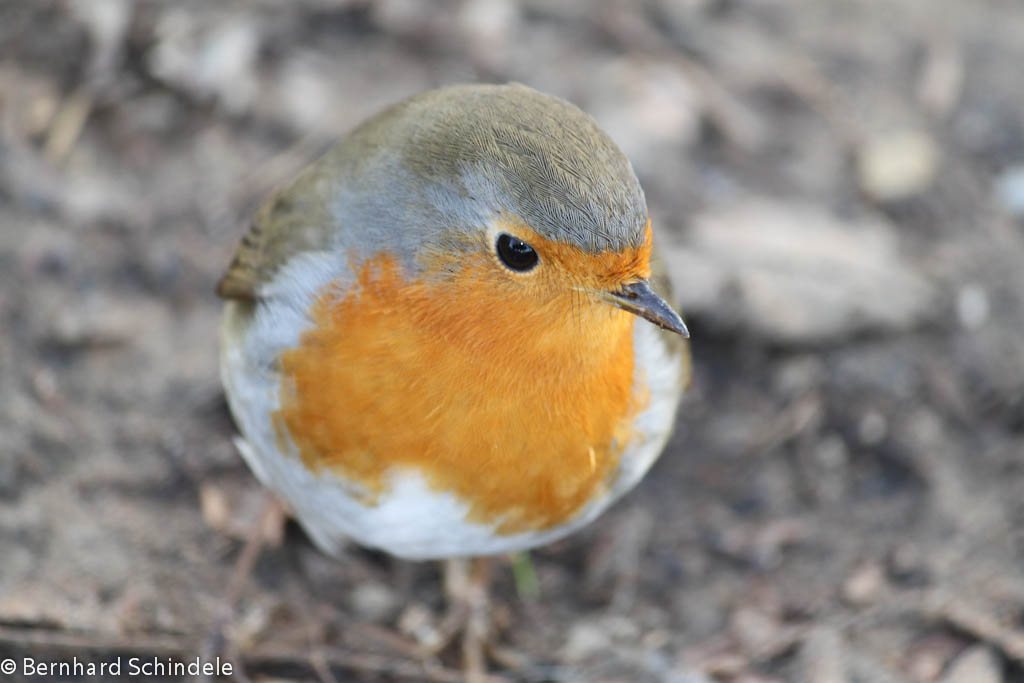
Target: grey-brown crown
x=540 y=156
x=441 y=164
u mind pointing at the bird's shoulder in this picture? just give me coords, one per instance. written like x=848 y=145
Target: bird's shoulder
x=292 y=221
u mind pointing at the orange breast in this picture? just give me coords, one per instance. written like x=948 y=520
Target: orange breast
x=517 y=400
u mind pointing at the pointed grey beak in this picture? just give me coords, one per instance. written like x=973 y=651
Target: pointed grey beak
x=639 y=299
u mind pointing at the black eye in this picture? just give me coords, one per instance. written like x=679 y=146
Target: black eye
x=515 y=253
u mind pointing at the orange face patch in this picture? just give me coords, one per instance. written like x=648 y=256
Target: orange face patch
x=513 y=392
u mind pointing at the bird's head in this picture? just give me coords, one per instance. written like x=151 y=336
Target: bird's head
x=518 y=195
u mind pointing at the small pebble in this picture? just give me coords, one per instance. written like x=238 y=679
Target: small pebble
x=977 y=664
x=373 y=601
x=1010 y=190
x=864 y=585
x=927 y=658
x=896 y=166
x=754 y=629
x=972 y=306
x=872 y=428
x=585 y=639
x=418 y=623
x=832 y=453
x=820 y=658
x=799 y=375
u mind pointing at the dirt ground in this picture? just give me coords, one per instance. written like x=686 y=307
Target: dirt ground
x=838 y=185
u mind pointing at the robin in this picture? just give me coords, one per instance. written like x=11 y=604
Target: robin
x=449 y=336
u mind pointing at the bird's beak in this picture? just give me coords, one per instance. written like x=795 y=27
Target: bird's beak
x=638 y=298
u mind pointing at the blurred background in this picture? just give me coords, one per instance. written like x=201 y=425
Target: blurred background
x=839 y=188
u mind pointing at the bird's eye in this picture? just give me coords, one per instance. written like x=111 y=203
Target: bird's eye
x=515 y=253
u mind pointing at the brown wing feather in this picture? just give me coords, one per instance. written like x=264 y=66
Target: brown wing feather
x=292 y=221
x=241 y=279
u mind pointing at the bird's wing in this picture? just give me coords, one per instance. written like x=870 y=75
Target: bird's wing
x=293 y=221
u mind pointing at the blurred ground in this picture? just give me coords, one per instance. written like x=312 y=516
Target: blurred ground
x=840 y=185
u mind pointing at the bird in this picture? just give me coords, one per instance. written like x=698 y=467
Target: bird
x=451 y=335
